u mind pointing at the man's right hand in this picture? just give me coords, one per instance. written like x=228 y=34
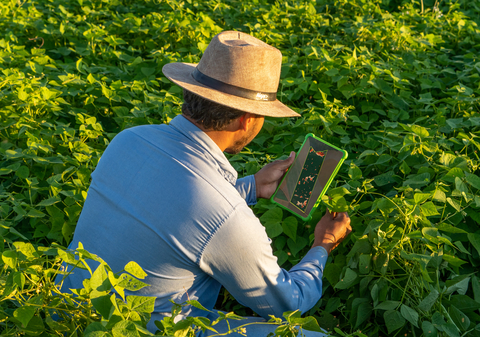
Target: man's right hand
x=331 y=230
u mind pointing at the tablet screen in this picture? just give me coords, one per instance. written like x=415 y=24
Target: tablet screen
x=309 y=176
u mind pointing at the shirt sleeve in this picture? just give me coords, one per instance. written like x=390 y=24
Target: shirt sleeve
x=240 y=257
x=246 y=187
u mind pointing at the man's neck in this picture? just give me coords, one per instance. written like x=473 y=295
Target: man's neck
x=223 y=138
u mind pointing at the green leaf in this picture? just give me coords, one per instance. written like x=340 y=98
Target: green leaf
x=459 y=318
x=96 y=329
x=453 y=260
x=19 y=279
x=203 y=323
x=125 y=329
x=364 y=263
x=9 y=257
x=388 y=305
x=364 y=311
x=348 y=280
x=102 y=302
x=133 y=268
x=99 y=280
x=50 y=201
x=458 y=284
x=141 y=303
x=273 y=229
x=24 y=314
x=354 y=172
x=197 y=305
x=297 y=246
x=450 y=229
x=35 y=327
x=473 y=180
x=429 y=209
x=440 y=196
x=476 y=289
x=332 y=273
x=418 y=180
x=289 y=226
x=272 y=216
x=337 y=192
x=474 y=239
x=427 y=303
x=409 y=314
x=309 y=323
x=454 y=204
x=460 y=185
x=393 y=320
x=130 y=283
x=148 y=71
x=464 y=303
x=383 y=86
x=452 y=174
x=23 y=172
x=428 y=329
x=404 y=168
x=421 y=197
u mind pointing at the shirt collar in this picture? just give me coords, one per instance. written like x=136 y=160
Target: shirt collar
x=195 y=134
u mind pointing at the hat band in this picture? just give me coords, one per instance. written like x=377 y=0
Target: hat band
x=233 y=89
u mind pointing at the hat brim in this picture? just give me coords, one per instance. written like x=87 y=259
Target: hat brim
x=181 y=74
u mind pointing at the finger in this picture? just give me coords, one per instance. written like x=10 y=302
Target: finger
x=289 y=161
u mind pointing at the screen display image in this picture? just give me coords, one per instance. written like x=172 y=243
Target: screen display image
x=309 y=176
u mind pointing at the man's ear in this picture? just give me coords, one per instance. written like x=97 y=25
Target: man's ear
x=245 y=121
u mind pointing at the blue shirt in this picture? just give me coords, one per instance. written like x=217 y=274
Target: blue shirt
x=166 y=197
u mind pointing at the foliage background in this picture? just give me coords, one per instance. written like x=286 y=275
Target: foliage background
x=395 y=83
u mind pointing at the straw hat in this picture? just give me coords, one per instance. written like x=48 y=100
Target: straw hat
x=236 y=70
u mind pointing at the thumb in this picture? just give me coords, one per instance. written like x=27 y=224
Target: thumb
x=289 y=161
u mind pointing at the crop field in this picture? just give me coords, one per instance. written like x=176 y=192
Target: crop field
x=396 y=83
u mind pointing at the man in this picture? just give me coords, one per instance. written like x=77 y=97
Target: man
x=166 y=197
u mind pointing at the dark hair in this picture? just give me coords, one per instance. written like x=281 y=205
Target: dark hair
x=209 y=114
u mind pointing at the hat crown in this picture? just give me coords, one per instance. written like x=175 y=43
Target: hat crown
x=241 y=60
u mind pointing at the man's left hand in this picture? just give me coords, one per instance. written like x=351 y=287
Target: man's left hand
x=268 y=178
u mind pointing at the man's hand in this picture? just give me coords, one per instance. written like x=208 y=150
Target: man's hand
x=268 y=178
x=331 y=230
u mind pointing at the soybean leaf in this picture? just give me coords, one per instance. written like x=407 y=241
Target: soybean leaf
x=429 y=209
x=427 y=303
x=24 y=314
x=102 y=302
x=289 y=226
x=130 y=283
x=428 y=329
x=476 y=289
x=125 y=329
x=473 y=180
x=354 y=172
x=421 y=197
x=364 y=311
x=388 y=305
x=464 y=303
x=141 y=303
x=297 y=246
x=393 y=320
x=348 y=280
x=409 y=314
x=459 y=318
x=197 y=305
x=133 y=268
x=474 y=239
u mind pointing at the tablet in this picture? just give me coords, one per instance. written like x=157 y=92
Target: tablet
x=314 y=168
